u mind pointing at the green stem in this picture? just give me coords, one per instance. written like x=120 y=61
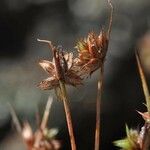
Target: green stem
x=98 y=104
x=68 y=114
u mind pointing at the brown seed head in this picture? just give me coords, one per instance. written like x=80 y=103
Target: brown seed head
x=92 y=49
x=91 y=52
x=61 y=68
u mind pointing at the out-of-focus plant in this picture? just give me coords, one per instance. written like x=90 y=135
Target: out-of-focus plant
x=41 y=139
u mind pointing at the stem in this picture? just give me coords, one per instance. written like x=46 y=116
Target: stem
x=98 y=104
x=68 y=114
x=44 y=122
x=111 y=18
x=100 y=86
x=15 y=119
x=144 y=83
x=46 y=113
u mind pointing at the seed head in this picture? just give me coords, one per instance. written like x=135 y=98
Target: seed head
x=92 y=51
x=62 y=67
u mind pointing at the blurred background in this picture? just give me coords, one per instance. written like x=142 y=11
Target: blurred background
x=64 y=22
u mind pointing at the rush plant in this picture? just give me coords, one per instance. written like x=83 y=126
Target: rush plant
x=65 y=69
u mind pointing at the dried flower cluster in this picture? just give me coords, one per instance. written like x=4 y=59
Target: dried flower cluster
x=92 y=51
x=62 y=67
x=91 y=55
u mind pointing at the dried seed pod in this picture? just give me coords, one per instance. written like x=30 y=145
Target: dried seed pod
x=91 y=52
x=61 y=68
x=92 y=49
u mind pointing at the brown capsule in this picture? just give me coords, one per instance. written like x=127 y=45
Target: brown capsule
x=61 y=68
x=92 y=52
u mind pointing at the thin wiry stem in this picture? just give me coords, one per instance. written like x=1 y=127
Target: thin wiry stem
x=15 y=118
x=46 y=113
x=44 y=121
x=38 y=119
x=98 y=105
x=144 y=83
x=68 y=114
x=111 y=18
x=100 y=85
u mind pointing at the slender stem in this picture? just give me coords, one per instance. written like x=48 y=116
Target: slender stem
x=98 y=104
x=100 y=86
x=15 y=119
x=111 y=18
x=144 y=83
x=46 y=113
x=68 y=114
x=44 y=122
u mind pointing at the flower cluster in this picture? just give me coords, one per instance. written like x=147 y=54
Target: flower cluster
x=61 y=68
x=91 y=55
x=92 y=51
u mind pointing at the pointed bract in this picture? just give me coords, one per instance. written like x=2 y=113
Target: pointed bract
x=49 y=83
x=47 y=66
